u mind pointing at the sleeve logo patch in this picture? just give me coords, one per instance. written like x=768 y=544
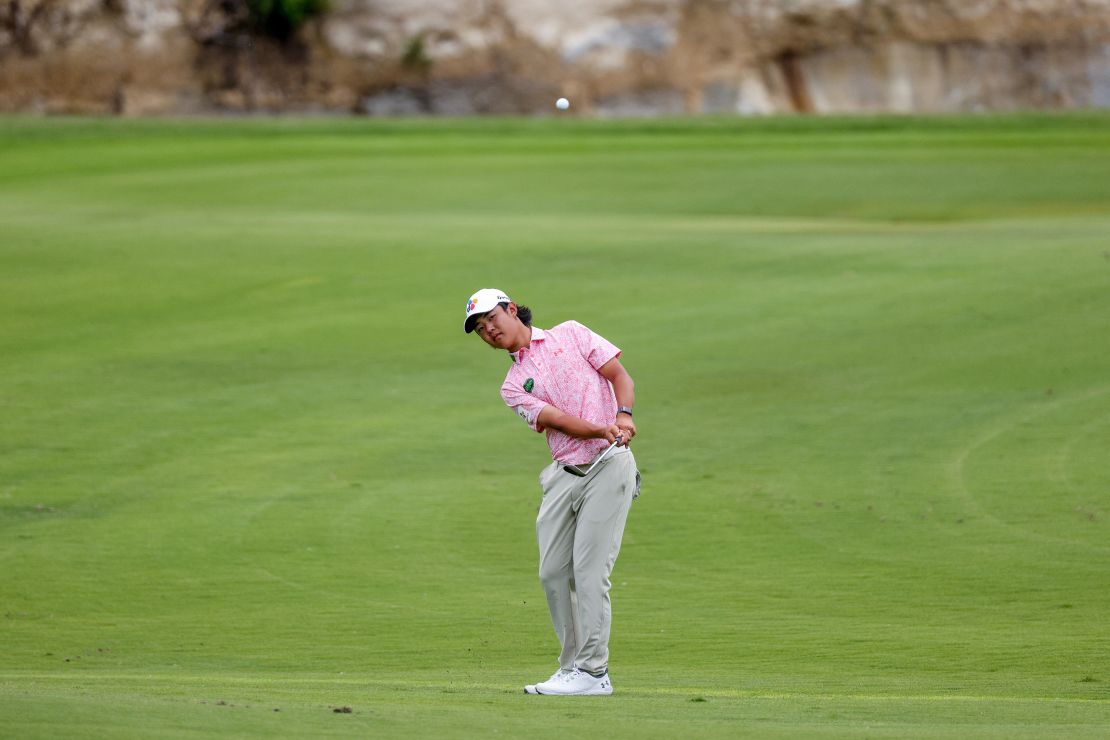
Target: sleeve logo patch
x=529 y=385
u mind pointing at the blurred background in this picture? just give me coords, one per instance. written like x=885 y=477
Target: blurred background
x=609 y=57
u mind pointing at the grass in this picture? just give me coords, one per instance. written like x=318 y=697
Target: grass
x=251 y=471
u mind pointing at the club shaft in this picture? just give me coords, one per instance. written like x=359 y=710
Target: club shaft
x=572 y=468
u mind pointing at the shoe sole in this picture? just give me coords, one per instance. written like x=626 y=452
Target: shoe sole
x=590 y=692
x=578 y=693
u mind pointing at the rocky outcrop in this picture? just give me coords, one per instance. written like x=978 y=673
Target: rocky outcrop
x=610 y=57
x=95 y=56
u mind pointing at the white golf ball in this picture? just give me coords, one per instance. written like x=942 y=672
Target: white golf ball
x=562 y=103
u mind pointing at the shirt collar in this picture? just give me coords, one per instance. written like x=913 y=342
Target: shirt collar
x=538 y=335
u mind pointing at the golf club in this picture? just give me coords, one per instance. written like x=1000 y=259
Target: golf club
x=575 y=470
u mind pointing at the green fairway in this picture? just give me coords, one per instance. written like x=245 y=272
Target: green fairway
x=252 y=470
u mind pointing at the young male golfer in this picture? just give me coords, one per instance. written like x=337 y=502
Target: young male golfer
x=567 y=381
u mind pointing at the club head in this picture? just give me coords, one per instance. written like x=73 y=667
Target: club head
x=575 y=470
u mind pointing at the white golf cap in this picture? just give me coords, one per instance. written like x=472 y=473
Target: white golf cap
x=484 y=301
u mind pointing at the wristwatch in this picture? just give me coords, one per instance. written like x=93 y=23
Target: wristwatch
x=624 y=410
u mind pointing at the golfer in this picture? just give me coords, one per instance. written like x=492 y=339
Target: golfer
x=568 y=382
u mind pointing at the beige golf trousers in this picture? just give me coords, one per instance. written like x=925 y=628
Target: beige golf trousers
x=579 y=528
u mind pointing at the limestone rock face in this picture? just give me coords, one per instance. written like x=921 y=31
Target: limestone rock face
x=610 y=57
x=148 y=21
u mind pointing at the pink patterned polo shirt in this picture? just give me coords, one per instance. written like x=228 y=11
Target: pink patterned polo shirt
x=559 y=368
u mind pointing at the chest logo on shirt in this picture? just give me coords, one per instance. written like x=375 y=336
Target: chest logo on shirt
x=529 y=385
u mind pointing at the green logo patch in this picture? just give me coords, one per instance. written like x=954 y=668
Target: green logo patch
x=529 y=385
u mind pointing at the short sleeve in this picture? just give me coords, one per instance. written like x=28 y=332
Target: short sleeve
x=523 y=404
x=595 y=348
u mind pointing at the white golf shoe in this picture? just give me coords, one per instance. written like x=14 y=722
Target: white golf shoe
x=533 y=688
x=576 y=683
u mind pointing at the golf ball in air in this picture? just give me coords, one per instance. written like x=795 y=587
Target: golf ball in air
x=562 y=103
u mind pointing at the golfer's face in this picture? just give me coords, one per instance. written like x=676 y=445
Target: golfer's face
x=495 y=327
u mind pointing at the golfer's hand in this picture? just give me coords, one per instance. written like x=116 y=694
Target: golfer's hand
x=627 y=432
x=611 y=433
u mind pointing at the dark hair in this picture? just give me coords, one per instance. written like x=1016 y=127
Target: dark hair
x=522 y=312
